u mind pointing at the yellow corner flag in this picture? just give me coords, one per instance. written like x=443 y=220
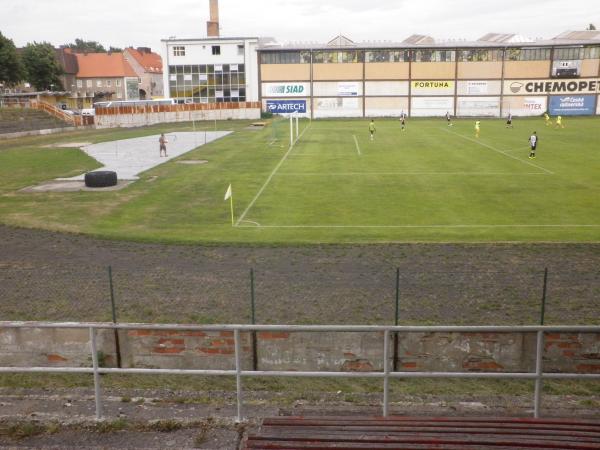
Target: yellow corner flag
x=229 y=195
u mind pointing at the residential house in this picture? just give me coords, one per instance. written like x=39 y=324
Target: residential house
x=148 y=67
x=105 y=76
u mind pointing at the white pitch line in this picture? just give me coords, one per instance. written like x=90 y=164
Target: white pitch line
x=258 y=194
x=433 y=226
x=356 y=142
x=499 y=151
x=350 y=174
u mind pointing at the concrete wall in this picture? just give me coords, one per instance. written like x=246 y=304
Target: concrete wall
x=138 y=119
x=307 y=351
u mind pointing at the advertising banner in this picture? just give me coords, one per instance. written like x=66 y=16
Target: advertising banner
x=557 y=87
x=431 y=106
x=477 y=87
x=348 y=88
x=286 y=106
x=286 y=89
x=432 y=87
x=572 y=105
x=478 y=106
x=524 y=106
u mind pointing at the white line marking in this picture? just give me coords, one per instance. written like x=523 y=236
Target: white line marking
x=432 y=226
x=251 y=221
x=350 y=174
x=258 y=194
x=499 y=151
x=356 y=142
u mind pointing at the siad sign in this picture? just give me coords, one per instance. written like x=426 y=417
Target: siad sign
x=286 y=89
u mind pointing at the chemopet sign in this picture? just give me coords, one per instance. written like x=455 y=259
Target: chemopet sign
x=286 y=106
x=286 y=89
x=528 y=87
x=572 y=105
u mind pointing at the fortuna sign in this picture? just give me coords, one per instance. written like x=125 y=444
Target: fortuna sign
x=552 y=86
x=432 y=84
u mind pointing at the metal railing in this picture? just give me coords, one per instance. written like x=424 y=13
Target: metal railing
x=538 y=375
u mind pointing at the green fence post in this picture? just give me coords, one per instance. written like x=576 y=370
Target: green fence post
x=253 y=306
x=543 y=312
x=395 y=365
x=114 y=316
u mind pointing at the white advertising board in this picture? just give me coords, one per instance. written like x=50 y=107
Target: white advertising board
x=478 y=106
x=431 y=106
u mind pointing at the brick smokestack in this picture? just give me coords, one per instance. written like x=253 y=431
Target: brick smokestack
x=212 y=26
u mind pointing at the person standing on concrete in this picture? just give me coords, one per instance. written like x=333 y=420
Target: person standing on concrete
x=162 y=142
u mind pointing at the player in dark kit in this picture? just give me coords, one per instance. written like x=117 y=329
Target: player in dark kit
x=509 y=121
x=533 y=140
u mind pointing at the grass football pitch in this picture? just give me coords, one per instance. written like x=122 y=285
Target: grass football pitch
x=429 y=183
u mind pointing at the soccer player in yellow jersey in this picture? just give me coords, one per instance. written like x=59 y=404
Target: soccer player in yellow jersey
x=372 y=129
x=547 y=119
x=559 y=123
x=477 y=127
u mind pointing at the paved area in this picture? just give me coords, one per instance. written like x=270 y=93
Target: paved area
x=130 y=157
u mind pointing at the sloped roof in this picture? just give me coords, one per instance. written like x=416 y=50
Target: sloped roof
x=580 y=35
x=150 y=61
x=341 y=41
x=93 y=65
x=505 y=38
x=418 y=39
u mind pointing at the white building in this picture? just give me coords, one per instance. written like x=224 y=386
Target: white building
x=211 y=70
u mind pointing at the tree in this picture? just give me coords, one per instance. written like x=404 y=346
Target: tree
x=11 y=69
x=115 y=49
x=41 y=67
x=81 y=46
x=591 y=26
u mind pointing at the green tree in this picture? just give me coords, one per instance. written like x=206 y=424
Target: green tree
x=115 y=49
x=82 y=46
x=42 y=69
x=11 y=69
x=591 y=26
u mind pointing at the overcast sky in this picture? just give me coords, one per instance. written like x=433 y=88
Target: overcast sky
x=136 y=23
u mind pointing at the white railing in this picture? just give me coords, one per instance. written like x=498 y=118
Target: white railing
x=538 y=375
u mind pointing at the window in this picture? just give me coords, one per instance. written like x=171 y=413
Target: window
x=591 y=53
x=527 y=54
x=376 y=56
x=118 y=83
x=108 y=83
x=240 y=49
x=479 y=55
x=332 y=57
x=433 y=55
x=178 y=50
x=88 y=83
x=561 y=54
x=80 y=83
x=285 y=58
x=216 y=49
x=98 y=83
x=207 y=83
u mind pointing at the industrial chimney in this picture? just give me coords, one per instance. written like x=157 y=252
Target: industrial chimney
x=212 y=26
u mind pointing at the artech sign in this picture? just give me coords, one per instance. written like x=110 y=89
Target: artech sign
x=286 y=106
x=528 y=87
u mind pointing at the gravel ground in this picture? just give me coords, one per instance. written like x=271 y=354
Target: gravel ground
x=438 y=283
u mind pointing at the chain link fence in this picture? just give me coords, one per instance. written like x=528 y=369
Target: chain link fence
x=307 y=295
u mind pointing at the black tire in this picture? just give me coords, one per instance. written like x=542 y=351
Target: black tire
x=101 y=178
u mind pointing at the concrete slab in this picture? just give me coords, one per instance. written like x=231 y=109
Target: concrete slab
x=72 y=186
x=130 y=157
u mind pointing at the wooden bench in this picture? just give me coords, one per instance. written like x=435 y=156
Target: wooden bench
x=445 y=433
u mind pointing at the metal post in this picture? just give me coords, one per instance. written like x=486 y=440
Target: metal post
x=291 y=131
x=97 y=392
x=396 y=318
x=539 y=351
x=254 y=341
x=386 y=372
x=238 y=372
x=543 y=313
x=114 y=316
x=297 y=127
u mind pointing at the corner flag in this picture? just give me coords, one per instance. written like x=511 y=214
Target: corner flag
x=229 y=195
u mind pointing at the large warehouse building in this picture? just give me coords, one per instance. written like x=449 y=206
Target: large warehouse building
x=493 y=76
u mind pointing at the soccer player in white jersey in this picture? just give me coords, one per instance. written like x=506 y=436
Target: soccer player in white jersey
x=533 y=141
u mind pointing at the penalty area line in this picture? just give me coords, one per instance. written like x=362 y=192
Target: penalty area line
x=500 y=151
x=356 y=143
x=270 y=177
x=435 y=226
